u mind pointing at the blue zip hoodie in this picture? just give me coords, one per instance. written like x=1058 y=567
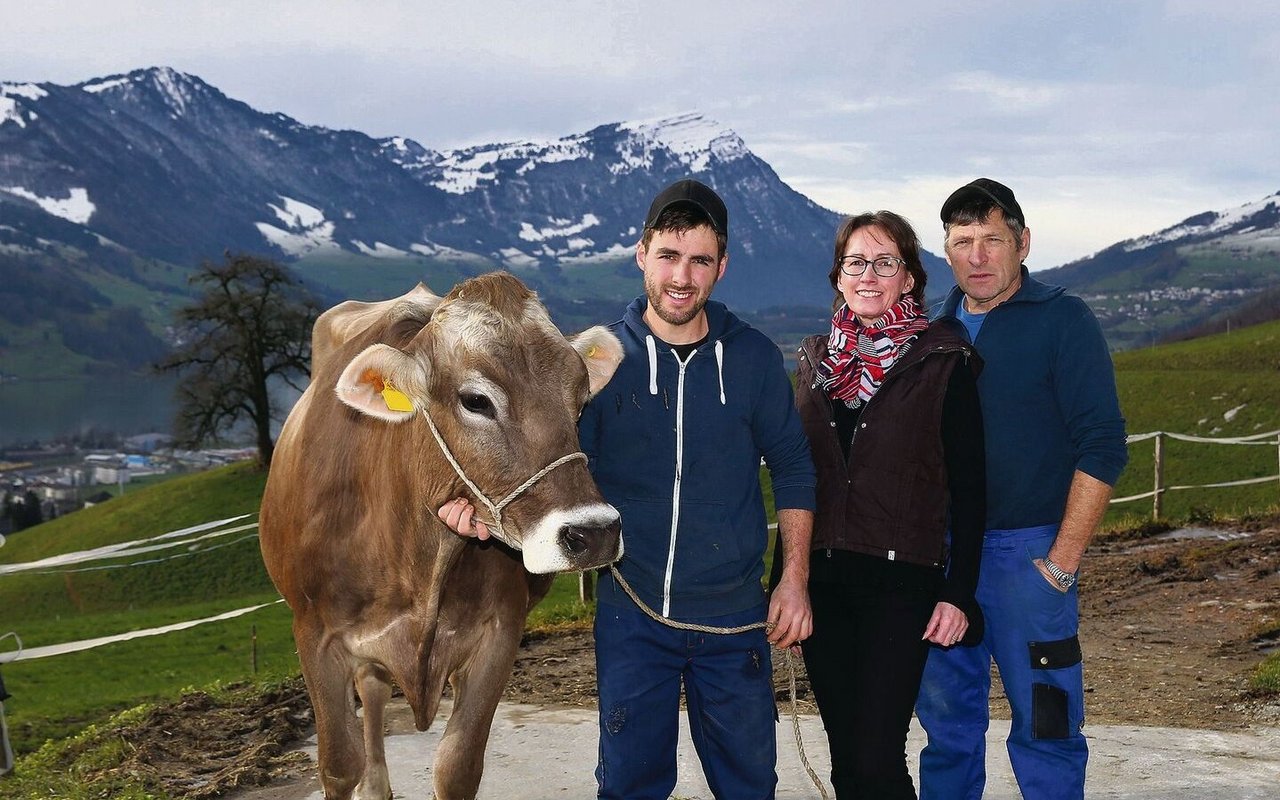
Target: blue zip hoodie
x=677 y=448
x=1049 y=403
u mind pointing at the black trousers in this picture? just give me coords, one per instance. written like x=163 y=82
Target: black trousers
x=864 y=660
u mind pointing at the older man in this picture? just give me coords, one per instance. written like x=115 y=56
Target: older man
x=1055 y=446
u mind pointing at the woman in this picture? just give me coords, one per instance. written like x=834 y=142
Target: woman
x=890 y=406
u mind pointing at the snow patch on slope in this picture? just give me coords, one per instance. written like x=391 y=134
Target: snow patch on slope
x=10 y=109
x=440 y=251
x=76 y=207
x=379 y=250
x=692 y=138
x=558 y=228
x=306 y=229
x=299 y=244
x=102 y=86
x=461 y=171
x=296 y=214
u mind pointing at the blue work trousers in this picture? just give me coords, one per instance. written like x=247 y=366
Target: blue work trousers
x=641 y=665
x=1031 y=632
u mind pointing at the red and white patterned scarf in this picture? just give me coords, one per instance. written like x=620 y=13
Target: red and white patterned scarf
x=859 y=356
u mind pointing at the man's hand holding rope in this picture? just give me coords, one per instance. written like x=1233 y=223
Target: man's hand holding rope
x=790 y=619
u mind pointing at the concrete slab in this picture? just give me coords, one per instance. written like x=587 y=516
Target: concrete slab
x=540 y=753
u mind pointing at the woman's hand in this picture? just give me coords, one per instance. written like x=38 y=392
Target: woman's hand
x=947 y=625
x=460 y=516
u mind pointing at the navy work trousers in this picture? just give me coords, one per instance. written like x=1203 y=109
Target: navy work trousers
x=641 y=665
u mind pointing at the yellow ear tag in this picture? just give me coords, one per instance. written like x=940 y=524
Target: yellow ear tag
x=591 y=351
x=395 y=399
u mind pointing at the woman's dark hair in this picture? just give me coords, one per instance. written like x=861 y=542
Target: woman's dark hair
x=902 y=234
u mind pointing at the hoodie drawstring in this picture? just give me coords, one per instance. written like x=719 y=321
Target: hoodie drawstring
x=653 y=364
x=720 y=368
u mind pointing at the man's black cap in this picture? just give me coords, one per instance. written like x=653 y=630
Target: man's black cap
x=700 y=195
x=984 y=191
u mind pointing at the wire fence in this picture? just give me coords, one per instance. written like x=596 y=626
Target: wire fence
x=1158 y=490
x=107 y=557
x=197 y=539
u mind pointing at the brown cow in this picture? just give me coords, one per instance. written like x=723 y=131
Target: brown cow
x=381 y=591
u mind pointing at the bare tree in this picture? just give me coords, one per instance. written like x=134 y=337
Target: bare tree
x=252 y=325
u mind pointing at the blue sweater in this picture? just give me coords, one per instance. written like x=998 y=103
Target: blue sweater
x=1049 y=403
x=677 y=451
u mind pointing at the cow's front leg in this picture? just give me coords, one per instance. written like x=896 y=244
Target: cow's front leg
x=329 y=676
x=373 y=684
x=477 y=688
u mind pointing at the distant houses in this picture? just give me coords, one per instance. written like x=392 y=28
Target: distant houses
x=64 y=481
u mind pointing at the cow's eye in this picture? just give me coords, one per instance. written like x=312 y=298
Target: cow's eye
x=477 y=403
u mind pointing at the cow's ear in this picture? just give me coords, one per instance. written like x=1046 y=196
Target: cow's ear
x=383 y=382
x=602 y=353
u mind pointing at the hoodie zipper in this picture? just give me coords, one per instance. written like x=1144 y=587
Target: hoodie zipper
x=675 y=491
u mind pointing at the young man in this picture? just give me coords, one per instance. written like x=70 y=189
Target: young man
x=675 y=442
x=1055 y=446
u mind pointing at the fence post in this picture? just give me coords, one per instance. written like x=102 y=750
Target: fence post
x=586 y=591
x=253 y=635
x=1158 y=497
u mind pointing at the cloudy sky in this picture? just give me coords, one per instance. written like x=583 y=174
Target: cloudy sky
x=1108 y=119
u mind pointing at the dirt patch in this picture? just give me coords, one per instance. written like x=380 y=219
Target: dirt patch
x=1172 y=624
x=1172 y=628
x=203 y=747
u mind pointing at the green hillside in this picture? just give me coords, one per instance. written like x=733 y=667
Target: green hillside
x=57 y=695
x=73 y=315
x=1226 y=385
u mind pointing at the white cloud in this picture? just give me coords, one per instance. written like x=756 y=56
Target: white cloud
x=1005 y=95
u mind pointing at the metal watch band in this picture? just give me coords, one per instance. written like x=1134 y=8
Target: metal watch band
x=1065 y=579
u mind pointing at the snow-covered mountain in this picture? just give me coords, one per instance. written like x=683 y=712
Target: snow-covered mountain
x=1257 y=222
x=159 y=164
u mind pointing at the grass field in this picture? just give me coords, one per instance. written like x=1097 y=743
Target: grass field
x=1219 y=386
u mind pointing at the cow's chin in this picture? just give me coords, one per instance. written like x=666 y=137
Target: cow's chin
x=575 y=539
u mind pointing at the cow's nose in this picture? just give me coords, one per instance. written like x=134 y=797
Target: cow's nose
x=590 y=540
x=575 y=538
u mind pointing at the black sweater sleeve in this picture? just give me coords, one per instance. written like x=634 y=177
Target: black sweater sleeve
x=965 y=455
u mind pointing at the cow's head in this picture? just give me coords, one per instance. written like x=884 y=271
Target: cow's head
x=504 y=389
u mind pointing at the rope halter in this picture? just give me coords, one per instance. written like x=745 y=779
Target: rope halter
x=495 y=526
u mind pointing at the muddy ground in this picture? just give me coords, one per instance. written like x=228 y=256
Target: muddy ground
x=1173 y=624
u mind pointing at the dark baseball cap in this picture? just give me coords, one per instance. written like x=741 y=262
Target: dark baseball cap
x=703 y=197
x=983 y=191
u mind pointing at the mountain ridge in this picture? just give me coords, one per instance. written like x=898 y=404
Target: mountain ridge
x=127 y=182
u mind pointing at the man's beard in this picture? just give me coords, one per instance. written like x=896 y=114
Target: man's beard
x=657 y=296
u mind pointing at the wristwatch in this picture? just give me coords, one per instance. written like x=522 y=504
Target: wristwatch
x=1065 y=579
